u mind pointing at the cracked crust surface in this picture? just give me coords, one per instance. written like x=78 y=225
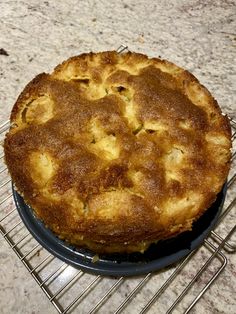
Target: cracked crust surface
x=117 y=151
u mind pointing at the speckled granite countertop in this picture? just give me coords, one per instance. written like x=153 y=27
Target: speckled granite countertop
x=37 y=35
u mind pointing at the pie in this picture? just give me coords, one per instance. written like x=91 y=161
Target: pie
x=117 y=151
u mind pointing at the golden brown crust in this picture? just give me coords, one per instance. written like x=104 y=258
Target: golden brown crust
x=116 y=151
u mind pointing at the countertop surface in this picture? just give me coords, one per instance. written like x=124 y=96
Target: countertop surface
x=198 y=35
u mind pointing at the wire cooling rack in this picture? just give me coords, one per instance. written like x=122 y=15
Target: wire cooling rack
x=176 y=288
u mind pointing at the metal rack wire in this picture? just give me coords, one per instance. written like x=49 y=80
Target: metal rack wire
x=70 y=289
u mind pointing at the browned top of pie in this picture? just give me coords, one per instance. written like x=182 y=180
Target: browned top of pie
x=116 y=151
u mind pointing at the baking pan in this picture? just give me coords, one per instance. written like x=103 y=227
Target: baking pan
x=158 y=256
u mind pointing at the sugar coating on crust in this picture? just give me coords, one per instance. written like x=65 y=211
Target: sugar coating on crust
x=116 y=151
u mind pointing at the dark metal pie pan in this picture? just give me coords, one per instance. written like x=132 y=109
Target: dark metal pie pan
x=158 y=256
